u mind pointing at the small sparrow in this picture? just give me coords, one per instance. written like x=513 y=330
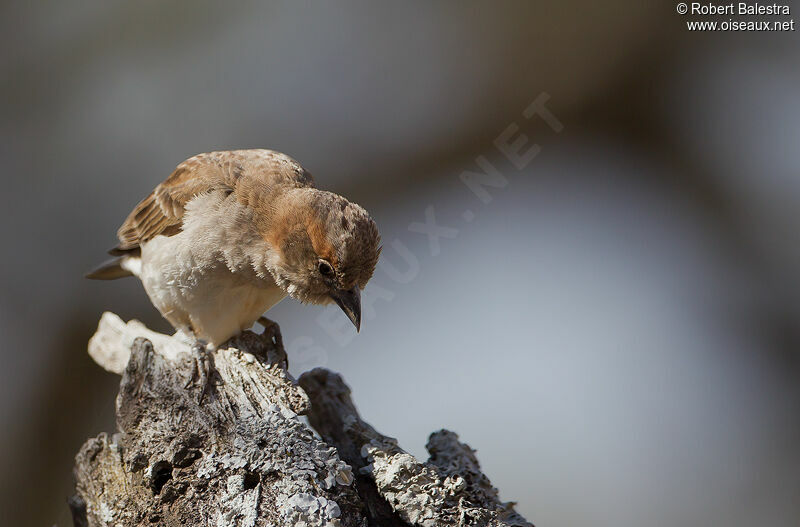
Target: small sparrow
x=229 y=234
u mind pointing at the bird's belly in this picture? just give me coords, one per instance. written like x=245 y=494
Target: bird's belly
x=203 y=296
x=219 y=310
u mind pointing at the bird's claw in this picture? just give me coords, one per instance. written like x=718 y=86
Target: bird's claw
x=273 y=331
x=202 y=370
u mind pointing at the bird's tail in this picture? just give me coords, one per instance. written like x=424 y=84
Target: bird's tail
x=115 y=268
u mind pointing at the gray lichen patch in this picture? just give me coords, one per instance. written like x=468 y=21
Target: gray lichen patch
x=428 y=494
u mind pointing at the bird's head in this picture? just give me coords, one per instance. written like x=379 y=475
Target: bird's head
x=327 y=251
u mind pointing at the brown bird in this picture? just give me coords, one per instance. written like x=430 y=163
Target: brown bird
x=229 y=234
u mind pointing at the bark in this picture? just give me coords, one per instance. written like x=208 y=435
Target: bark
x=241 y=455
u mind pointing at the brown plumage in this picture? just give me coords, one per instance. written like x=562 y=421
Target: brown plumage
x=252 y=174
x=228 y=234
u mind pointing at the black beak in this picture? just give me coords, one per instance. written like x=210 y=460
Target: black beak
x=350 y=302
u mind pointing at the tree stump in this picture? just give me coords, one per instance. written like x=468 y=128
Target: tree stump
x=242 y=456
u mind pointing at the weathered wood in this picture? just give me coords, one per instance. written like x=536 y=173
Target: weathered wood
x=449 y=489
x=243 y=457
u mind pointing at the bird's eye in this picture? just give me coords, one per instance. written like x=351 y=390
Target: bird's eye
x=325 y=268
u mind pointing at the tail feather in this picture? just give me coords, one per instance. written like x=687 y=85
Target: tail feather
x=110 y=270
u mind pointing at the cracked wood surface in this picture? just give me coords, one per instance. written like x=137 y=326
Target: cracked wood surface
x=243 y=456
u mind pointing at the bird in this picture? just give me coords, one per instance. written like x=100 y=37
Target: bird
x=229 y=234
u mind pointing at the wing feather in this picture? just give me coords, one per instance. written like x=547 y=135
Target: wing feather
x=253 y=172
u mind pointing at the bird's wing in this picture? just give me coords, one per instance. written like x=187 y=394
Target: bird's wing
x=161 y=213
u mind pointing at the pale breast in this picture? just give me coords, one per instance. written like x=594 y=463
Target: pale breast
x=202 y=278
x=221 y=306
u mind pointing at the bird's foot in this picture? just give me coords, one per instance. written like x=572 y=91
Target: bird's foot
x=202 y=370
x=273 y=331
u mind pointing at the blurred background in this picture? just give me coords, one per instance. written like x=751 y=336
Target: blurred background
x=614 y=326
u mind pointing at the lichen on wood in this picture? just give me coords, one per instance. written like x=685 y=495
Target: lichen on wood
x=242 y=456
x=448 y=489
